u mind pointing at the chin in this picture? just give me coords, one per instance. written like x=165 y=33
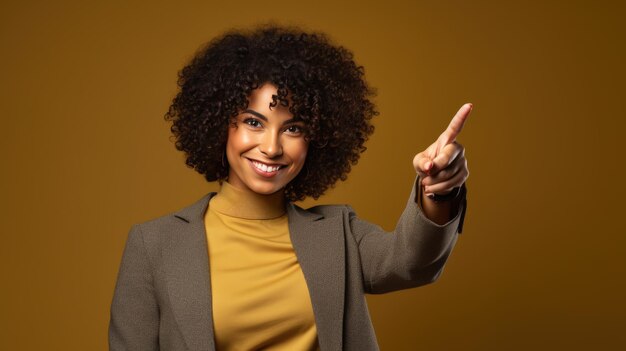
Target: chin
x=265 y=189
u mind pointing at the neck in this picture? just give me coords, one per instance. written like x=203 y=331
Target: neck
x=245 y=203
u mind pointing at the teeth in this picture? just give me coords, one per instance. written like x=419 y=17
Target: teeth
x=265 y=168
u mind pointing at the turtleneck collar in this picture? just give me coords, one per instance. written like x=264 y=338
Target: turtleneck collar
x=246 y=204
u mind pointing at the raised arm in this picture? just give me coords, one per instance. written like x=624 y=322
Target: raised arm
x=415 y=252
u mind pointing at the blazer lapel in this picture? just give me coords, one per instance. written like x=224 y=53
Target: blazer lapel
x=186 y=263
x=318 y=243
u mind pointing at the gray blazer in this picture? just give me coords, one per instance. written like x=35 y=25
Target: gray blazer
x=162 y=297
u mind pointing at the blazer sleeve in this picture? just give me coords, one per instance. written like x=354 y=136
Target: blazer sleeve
x=413 y=254
x=134 y=323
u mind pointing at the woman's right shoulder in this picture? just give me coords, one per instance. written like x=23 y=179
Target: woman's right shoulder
x=176 y=221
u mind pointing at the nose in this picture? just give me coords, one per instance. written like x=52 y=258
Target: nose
x=271 y=145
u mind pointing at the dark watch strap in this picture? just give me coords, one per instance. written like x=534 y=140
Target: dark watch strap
x=447 y=197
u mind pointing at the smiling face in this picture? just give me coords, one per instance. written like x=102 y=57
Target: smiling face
x=266 y=149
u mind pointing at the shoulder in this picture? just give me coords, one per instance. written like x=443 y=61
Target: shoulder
x=171 y=222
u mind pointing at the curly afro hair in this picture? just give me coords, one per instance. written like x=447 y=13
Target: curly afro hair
x=327 y=91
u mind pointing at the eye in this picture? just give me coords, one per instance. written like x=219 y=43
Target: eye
x=294 y=129
x=253 y=122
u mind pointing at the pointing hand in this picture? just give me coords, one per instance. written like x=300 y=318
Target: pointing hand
x=442 y=166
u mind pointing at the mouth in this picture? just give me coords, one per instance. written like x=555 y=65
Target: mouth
x=264 y=169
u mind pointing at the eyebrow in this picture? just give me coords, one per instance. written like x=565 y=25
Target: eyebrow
x=265 y=118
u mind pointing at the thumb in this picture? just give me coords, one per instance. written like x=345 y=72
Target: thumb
x=423 y=164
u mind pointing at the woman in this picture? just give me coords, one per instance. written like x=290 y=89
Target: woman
x=276 y=115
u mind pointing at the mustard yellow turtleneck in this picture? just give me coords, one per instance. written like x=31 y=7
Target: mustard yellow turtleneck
x=260 y=297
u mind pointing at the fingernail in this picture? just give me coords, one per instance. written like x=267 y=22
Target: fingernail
x=428 y=165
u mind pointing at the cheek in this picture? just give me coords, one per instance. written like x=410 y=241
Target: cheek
x=299 y=153
x=238 y=140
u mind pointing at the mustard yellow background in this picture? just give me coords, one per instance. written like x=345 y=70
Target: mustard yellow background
x=541 y=262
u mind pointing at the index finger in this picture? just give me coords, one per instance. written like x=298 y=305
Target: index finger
x=456 y=125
